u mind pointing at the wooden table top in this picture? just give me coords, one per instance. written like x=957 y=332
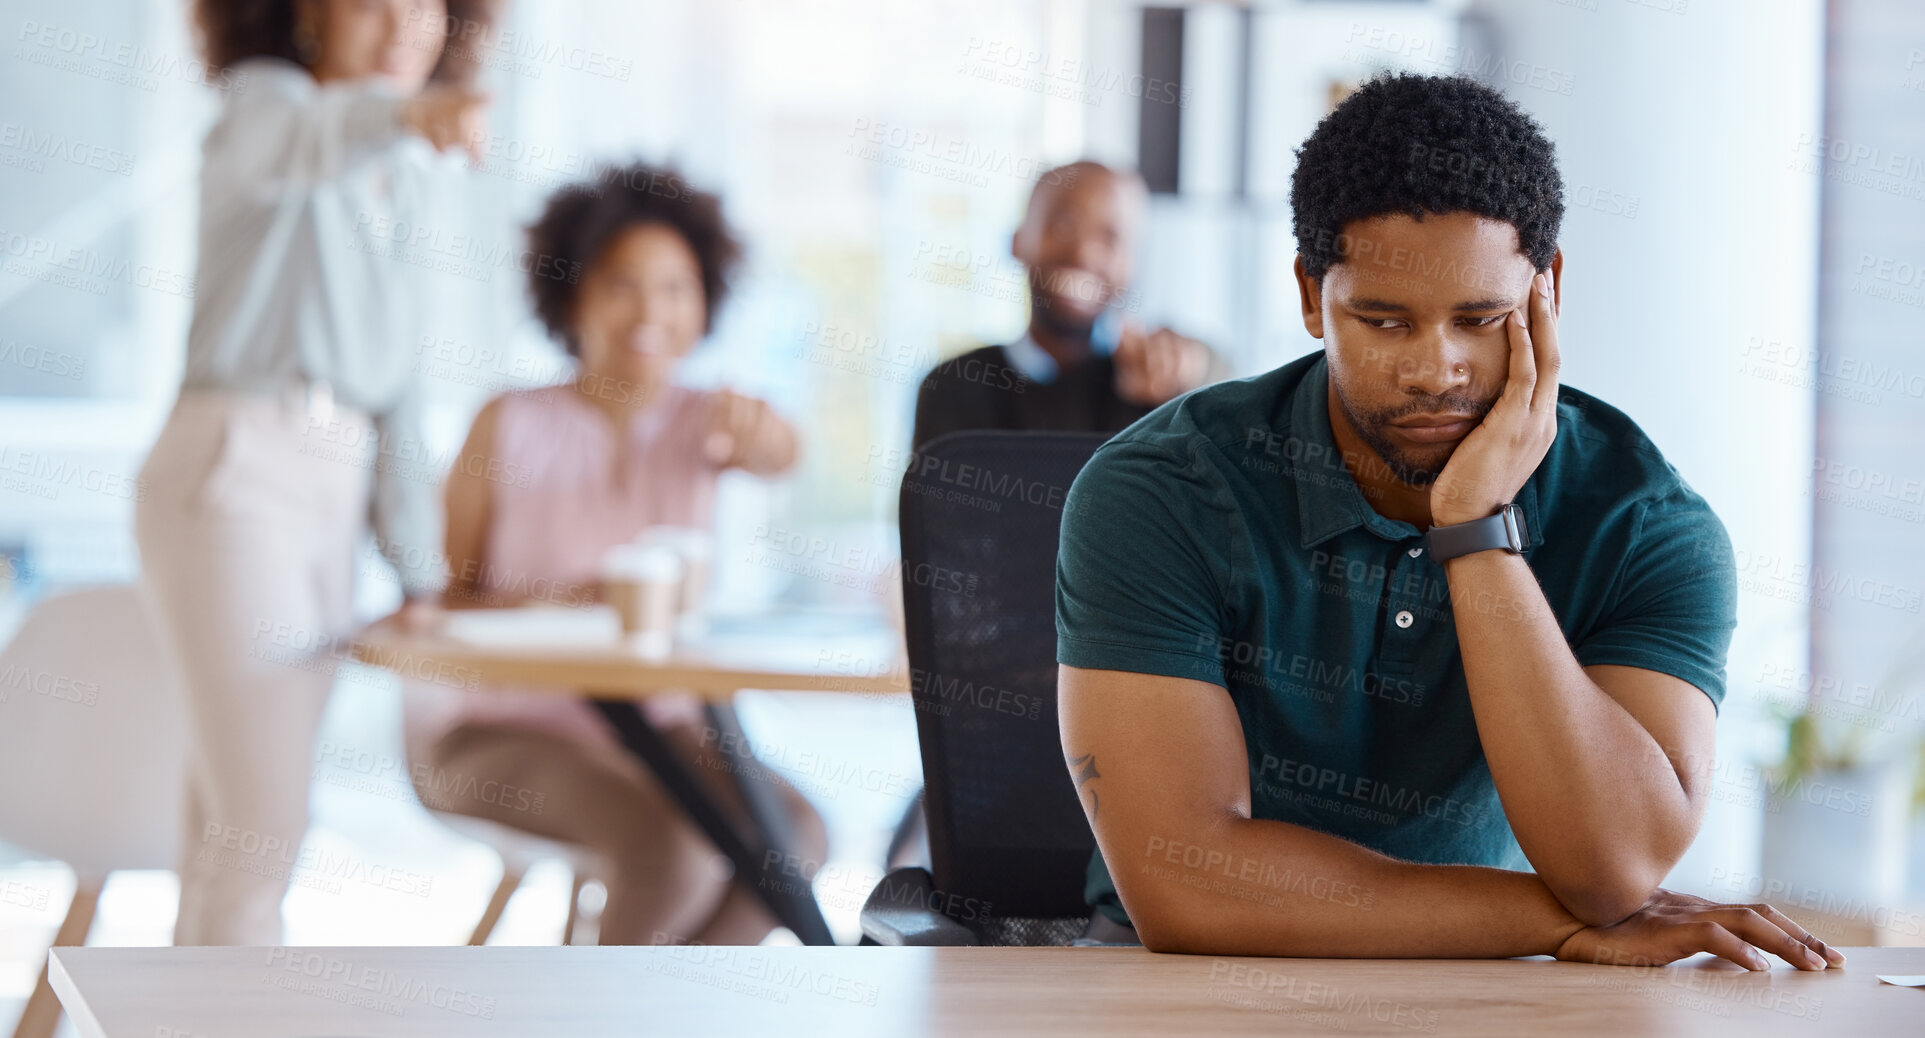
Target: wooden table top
x=1008 y=992
x=581 y=650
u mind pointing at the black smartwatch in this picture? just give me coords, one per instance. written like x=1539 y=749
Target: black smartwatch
x=1505 y=531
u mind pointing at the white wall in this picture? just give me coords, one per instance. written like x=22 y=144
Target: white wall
x=1868 y=642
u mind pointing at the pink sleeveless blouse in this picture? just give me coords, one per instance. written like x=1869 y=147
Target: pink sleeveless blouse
x=562 y=496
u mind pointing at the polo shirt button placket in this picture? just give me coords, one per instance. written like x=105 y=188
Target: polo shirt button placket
x=1409 y=576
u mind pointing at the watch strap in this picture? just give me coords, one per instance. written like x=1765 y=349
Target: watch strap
x=1504 y=531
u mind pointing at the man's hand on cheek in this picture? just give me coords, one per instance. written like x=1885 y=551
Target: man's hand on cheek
x=1488 y=468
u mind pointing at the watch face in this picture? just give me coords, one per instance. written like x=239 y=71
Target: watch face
x=1514 y=528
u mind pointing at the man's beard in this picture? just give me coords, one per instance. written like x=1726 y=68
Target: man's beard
x=1415 y=468
x=1062 y=321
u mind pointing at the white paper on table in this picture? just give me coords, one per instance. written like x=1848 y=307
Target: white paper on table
x=1904 y=982
x=533 y=626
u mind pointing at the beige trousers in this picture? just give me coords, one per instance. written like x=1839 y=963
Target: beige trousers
x=667 y=884
x=253 y=511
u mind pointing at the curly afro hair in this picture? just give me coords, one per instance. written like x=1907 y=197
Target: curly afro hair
x=1416 y=144
x=581 y=220
x=231 y=31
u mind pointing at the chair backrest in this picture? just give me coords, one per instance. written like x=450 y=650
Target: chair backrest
x=980 y=512
x=93 y=735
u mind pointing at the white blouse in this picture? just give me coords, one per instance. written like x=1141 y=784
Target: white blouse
x=307 y=193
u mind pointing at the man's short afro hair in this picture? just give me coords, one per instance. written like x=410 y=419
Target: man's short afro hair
x=1406 y=143
x=582 y=219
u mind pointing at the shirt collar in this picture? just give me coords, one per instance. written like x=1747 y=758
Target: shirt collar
x=1032 y=360
x=1035 y=363
x=1329 y=502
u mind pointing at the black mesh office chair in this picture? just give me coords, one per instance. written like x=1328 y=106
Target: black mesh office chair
x=1008 y=843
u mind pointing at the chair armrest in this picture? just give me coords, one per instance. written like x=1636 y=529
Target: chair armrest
x=898 y=913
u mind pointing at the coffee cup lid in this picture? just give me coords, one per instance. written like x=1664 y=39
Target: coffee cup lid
x=647 y=562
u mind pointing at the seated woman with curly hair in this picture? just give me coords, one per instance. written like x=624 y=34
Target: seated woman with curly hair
x=635 y=264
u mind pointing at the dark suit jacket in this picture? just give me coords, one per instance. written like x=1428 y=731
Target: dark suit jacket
x=982 y=390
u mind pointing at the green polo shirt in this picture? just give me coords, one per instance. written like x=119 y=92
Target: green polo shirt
x=1222 y=538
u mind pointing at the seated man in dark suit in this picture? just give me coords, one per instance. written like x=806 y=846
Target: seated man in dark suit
x=1077 y=367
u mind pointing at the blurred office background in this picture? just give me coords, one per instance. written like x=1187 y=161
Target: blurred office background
x=1745 y=276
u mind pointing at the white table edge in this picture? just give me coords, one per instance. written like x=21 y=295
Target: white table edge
x=71 y=1000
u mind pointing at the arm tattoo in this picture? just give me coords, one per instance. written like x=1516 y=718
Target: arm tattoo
x=1083 y=770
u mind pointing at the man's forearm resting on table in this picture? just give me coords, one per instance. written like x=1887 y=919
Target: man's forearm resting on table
x=1243 y=886
x=1163 y=772
x=1599 y=808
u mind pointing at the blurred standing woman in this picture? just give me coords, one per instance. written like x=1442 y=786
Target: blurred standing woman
x=300 y=359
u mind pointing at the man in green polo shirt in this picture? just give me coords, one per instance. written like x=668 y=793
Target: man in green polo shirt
x=1402 y=649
